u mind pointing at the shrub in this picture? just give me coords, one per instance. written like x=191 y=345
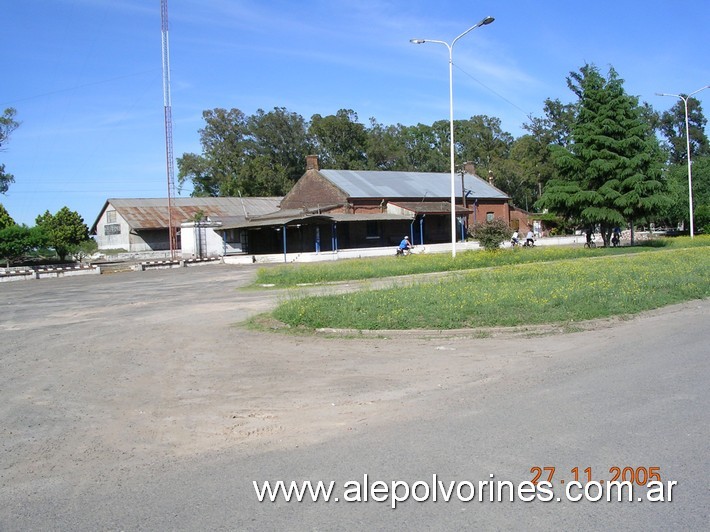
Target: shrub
x=84 y=250
x=491 y=234
x=702 y=219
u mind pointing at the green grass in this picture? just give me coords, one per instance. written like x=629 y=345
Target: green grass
x=602 y=283
x=289 y=275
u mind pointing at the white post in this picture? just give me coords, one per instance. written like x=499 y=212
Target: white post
x=450 y=47
x=687 y=144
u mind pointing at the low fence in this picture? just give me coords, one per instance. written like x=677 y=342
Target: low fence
x=25 y=274
x=385 y=251
x=168 y=264
x=355 y=253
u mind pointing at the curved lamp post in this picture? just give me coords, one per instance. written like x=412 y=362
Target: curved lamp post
x=483 y=22
x=687 y=143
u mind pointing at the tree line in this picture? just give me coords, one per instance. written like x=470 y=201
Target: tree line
x=55 y=236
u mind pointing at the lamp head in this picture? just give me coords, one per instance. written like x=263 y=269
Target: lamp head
x=487 y=20
x=417 y=41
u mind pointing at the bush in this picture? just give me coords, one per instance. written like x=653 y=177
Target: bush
x=491 y=234
x=702 y=219
x=17 y=241
x=84 y=250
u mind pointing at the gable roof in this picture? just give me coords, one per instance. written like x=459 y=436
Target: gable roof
x=393 y=184
x=152 y=213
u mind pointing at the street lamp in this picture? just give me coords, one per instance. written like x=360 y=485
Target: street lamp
x=687 y=143
x=483 y=22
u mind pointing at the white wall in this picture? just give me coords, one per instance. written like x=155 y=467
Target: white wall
x=206 y=235
x=120 y=240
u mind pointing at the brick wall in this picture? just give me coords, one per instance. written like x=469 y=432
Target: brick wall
x=500 y=210
x=313 y=191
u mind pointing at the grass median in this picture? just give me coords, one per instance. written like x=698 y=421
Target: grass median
x=288 y=275
x=536 y=292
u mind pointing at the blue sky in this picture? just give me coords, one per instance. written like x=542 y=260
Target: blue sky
x=85 y=75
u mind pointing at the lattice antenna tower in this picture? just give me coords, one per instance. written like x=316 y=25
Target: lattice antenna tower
x=167 y=104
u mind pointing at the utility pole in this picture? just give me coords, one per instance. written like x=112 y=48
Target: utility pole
x=463 y=201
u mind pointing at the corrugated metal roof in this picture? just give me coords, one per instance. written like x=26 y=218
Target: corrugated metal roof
x=393 y=185
x=152 y=213
x=311 y=218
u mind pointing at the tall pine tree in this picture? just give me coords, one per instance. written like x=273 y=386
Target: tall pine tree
x=610 y=173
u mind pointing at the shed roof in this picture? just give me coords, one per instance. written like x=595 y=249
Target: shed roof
x=393 y=184
x=152 y=213
x=291 y=217
x=431 y=207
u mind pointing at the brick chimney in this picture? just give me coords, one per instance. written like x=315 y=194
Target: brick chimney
x=469 y=168
x=312 y=162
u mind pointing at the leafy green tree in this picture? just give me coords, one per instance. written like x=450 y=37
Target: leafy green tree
x=224 y=142
x=555 y=127
x=196 y=169
x=340 y=140
x=672 y=125
x=265 y=178
x=424 y=148
x=63 y=230
x=16 y=241
x=5 y=218
x=7 y=126
x=702 y=218
x=258 y=155
x=650 y=116
x=281 y=138
x=678 y=211
x=533 y=151
x=386 y=148
x=522 y=174
x=518 y=174
x=482 y=141
x=610 y=173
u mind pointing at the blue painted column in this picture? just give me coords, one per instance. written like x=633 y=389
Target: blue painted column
x=284 y=239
